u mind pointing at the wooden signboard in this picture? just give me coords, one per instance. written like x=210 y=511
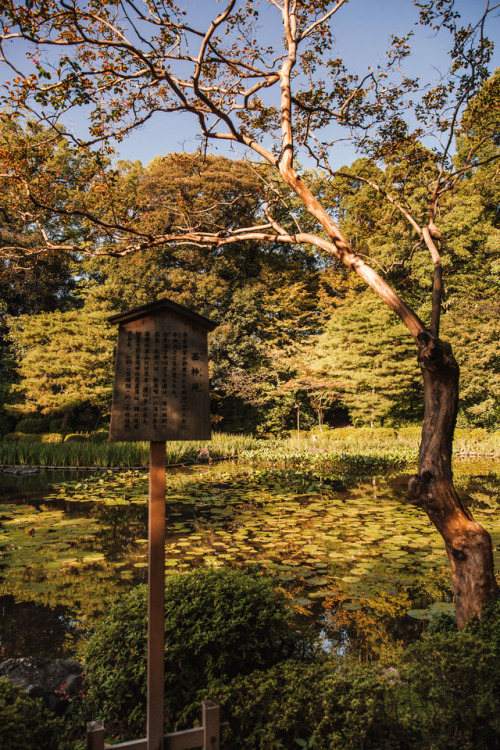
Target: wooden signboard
x=160 y=393
x=160 y=389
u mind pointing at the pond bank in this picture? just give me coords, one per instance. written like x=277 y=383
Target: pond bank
x=19 y=469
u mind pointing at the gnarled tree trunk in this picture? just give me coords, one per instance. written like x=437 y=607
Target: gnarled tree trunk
x=468 y=545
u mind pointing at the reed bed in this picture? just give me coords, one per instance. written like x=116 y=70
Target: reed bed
x=110 y=455
x=467 y=442
x=378 y=445
x=370 y=449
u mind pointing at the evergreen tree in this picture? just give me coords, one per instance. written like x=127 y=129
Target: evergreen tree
x=65 y=363
x=364 y=351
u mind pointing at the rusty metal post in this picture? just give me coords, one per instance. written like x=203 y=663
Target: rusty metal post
x=95 y=735
x=156 y=595
x=211 y=725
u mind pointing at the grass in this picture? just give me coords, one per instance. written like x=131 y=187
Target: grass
x=107 y=455
x=366 y=449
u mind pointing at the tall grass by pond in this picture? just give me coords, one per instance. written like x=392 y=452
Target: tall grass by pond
x=105 y=455
x=367 y=450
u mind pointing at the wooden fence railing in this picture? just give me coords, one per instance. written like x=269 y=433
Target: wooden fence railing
x=207 y=736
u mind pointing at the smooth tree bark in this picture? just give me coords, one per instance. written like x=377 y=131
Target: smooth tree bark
x=131 y=61
x=468 y=544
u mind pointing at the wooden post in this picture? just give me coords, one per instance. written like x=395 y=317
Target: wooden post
x=156 y=595
x=160 y=393
x=211 y=725
x=95 y=735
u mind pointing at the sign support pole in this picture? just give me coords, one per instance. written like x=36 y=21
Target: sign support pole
x=156 y=595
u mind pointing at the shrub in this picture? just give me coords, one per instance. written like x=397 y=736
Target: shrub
x=76 y=437
x=33 y=425
x=218 y=624
x=24 y=723
x=454 y=691
x=445 y=695
x=52 y=437
x=101 y=436
x=323 y=431
x=22 y=437
x=314 y=705
x=488 y=627
x=413 y=432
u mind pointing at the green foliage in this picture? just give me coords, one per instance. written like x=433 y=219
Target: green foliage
x=52 y=437
x=100 y=436
x=368 y=354
x=33 y=424
x=51 y=450
x=476 y=345
x=487 y=627
x=24 y=723
x=64 y=361
x=441 y=693
x=321 y=703
x=75 y=437
x=218 y=624
x=453 y=681
x=22 y=437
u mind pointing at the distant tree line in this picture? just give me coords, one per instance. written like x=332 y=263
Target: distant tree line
x=295 y=331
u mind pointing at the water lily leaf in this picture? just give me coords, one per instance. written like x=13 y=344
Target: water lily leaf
x=301 y=602
x=317 y=581
x=419 y=614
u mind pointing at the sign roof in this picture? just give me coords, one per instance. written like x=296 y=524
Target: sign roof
x=163 y=305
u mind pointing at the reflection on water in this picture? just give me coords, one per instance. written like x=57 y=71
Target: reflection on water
x=23 y=486
x=338 y=546
x=33 y=629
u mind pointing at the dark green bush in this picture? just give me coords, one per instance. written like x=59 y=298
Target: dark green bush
x=488 y=627
x=24 y=722
x=316 y=705
x=33 y=425
x=101 y=436
x=218 y=624
x=444 y=695
x=454 y=691
x=22 y=437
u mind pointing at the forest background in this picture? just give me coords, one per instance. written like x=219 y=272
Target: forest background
x=294 y=328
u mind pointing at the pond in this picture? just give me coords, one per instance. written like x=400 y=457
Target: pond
x=338 y=545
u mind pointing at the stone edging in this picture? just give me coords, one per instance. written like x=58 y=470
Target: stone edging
x=57 y=681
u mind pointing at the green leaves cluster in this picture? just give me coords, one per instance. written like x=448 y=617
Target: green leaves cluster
x=65 y=361
x=368 y=351
x=24 y=721
x=218 y=624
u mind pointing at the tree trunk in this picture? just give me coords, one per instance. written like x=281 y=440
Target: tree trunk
x=468 y=545
x=68 y=413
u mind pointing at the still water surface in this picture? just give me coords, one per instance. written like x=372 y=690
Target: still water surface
x=70 y=544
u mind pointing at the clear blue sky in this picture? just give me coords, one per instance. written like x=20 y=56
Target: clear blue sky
x=362 y=29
